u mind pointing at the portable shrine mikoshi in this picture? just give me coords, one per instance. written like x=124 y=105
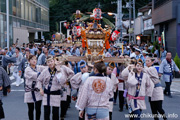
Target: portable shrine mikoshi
x=96 y=40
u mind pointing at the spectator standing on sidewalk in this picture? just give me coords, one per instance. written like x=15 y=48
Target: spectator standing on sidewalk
x=163 y=53
x=166 y=69
x=4 y=60
x=4 y=82
x=19 y=58
x=24 y=63
x=41 y=57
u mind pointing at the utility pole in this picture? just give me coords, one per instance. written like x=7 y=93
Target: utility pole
x=134 y=17
x=119 y=17
x=118 y=14
x=7 y=21
x=129 y=20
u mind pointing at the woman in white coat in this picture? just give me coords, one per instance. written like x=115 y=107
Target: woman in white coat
x=52 y=80
x=139 y=85
x=157 y=95
x=32 y=95
x=114 y=80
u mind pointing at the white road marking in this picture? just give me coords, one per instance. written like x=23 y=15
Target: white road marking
x=17 y=90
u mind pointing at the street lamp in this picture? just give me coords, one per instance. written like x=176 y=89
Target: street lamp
x=60 y=25
x=7 y=22
x=110 y=13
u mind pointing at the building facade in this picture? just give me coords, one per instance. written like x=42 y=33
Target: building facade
x=143 y=25
x=26 y=19
x=166 y=20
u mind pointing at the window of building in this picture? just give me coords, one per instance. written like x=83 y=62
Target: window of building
x=22 y=9
x=46 y=17
x=14 y=7
x=30 y=12
x=3 y=5
x=10 y=29
x=10 y=7
x=26 y=10
x=38 y=14
x=42 y=16
x=18 y=4
x=3 y=31
x=33 y=13
x=14 y=22
x=1 y=24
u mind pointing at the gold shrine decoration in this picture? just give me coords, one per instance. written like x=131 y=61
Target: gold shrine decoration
x=106 y=39
x=84 y=39
x=89 y=26
x=101 y=28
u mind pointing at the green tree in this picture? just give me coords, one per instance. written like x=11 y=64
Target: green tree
x=177 y=60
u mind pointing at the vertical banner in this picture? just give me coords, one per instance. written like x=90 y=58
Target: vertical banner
x=163 y=39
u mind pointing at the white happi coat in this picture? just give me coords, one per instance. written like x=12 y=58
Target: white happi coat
x=146 y=89
x=18 y=61
x=57 y=83
x=30 y=76
x=66 y=92
x=89 y=97
x=76 y=81
x=114 y=83
x=67 y=89
x=165 y=67
x=125 y=74
x=157 y=91
x=120 y=77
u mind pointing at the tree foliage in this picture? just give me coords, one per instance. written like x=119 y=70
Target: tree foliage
x=177 y=60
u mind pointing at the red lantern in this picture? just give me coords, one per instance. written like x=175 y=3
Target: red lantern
x=97 y=13
x=76 y=31
x=138 y=37
x=159 y=39
x=115 y=35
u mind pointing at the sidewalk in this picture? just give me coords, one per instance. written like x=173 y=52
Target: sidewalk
x=175 y=87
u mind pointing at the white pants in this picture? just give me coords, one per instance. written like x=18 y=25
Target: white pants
x=17 y=78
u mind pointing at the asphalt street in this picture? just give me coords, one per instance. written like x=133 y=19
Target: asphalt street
x=16 y=109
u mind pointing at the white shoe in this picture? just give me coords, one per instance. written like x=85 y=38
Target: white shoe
x=22 y=81
x=18 y=82
x=12 y=78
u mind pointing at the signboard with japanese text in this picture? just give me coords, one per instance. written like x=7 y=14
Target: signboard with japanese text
x=148 y=24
